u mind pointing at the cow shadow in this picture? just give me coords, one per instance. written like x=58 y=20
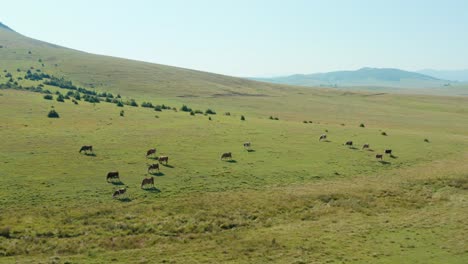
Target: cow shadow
x=90 y=154
x=153 y=158
x=152 y=190
x=232 y=161
x=353 y=148
x=251 y=150
x=371 y=150
x=124 y=199
x=168 y=166
x=384 y=162
x=159 y=174
x=393 y=156
x=119 y=182
x=326 y=140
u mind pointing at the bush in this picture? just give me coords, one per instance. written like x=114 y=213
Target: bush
x=120 y=104
x=383 y=133
x=209 y=118
x=192 y=113
x=271 y=117
x=53 y=114
x=133 y=103
x=147 y=105
x=122 y=112
x=305 y=122
x=227 y=113
x=60 y=98
x=5 y=232
x=48 y=97
x=242 y=118
x=185 y=108
x=362 y=125
x=158 y=108
x=276 y=118
x=426 y=140
x=198 y=112
x=210 y=112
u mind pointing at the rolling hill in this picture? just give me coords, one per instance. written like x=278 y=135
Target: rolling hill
x=453 y=75
x=379 y=77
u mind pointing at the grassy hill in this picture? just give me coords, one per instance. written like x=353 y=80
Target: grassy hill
x=292 y=199
x=384 y=77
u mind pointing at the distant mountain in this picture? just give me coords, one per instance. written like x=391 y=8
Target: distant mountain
x=453 y=75
x=3 y=26
x=380 y=77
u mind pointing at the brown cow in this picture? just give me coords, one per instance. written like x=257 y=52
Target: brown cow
x=86 y=149
x=150 y=152
x=349 y=143
x=161 y=159
x=119 y=192
x=226 y=155
x=147 y=181
x=365 y=146
x=379 y=156
x=112 y=175
x=153 y=167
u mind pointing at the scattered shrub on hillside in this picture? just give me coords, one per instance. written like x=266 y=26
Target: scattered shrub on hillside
x=276 y=118
x=185 y=108
x=18 y=70
x=310 y=122
x=210 y=112
x=209 y=118
x=91 y=98
x=60 y=98
x=227 y=113
x=29 y=52
x=8 y=75
x=242 y=118
x=147 y=105
x=132 y=102
x=120 y=104
x=157 y=108
x=326 y=130
x=48 y=97
x=198 y=112
x=305 y=122
x=426 y=140
x=192 y=113
x=77 y=96
x=122 y=112
x=108 y=100
x=383 y=133
x=174 y=109
x=53 y=114
x=39 y=60
x=362 y=125
x=74 y=101
x=118 y=96
x=271 y=117
x=5 y=232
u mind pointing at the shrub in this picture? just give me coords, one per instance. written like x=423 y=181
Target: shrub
x=118 y=96
x=5 y=232
x=209 y=118
x=133 y=103
x=147 y=105
x=362 y=125
x=185 y=108
x=158 y=108
x=198 y=112
x=383 y=133
x=242 y=118
x=426 y=140
x=120 y=104
x=122 y=112
x=310 y=122
x=210 y=112
x=227 y=113
x=53 y=114
x=48 y=97
x=192 y=113
x=305 y=122
x=271 y=117
x=60 y=98
x=108 y=100
x=276 y=118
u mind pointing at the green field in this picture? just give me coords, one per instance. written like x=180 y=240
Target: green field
x=291 y=200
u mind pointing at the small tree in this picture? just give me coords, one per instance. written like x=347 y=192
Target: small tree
x=48 y=97
x=192 y=113
x=60 y=98
x=362 y=125
x=242 y=118
x=53 y=114
x=210 y=112
x=185 y=108
x=158 y=108
x=122 y=112
x=120 y=104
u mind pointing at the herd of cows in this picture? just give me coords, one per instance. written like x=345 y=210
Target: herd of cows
x=114 y=175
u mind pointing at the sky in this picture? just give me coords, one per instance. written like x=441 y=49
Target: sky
x=255 y=37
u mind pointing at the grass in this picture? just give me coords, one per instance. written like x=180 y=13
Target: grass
x=291 y=200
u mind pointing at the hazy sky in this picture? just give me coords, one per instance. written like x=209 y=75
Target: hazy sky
x=255 y=38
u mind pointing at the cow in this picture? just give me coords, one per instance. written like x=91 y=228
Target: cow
x=365 y=146
x=112 y=175
x=150 y=152
x=247 y=145
x=323 y=136
x=226 y=155
x=388 y=151
x=379 y=156
x=162 y=159
x=153 y=167
x=119 y=192
x=147 y=181
x=86 y=149
x=349 y=143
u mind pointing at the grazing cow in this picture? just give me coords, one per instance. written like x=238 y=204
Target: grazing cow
x=247 y=145
x=323 y=136
x=161 y=159
x=365 y=146
x=147 y=181
x=349 y=143
x=226 y=155
x=112 y=175
x=150 y=152
x=119 y=192
x=379 y=156
x=388 y=151
x=153 y=167
x=86 y=149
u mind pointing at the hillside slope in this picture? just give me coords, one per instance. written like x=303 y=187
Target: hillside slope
x=385 y=77
x=116 y=74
